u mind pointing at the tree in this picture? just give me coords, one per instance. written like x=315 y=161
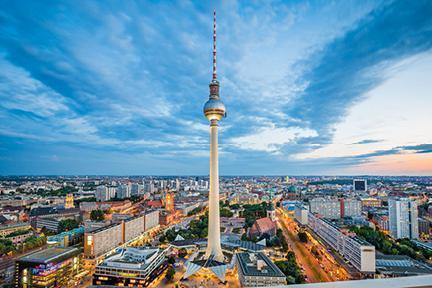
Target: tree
x=224 y=212
x=67 y=225
x=171 y=260
x=170 y=274
x=182 y=253
x=303 y=236
x=97 y=215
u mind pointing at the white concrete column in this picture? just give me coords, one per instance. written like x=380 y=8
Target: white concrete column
x=214 y=243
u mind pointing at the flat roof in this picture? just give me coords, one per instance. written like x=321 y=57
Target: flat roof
x=249 y=267
x=401 y=264
x=48 y=255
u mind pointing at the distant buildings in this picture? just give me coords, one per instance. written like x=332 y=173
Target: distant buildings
x=50 y=217
x=51 y=267
x=334 y=208
x=256 y=270
x=350 y=207
x=403 y=218
x=102 y=194
x=69 y=201
x=123 y=192
x=8 y=229
x=360 y=185
x=327 y=207
x=371 y=202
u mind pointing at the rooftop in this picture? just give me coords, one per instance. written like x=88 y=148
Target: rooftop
x=51 y=255
x=248 y=263
x=401 y=265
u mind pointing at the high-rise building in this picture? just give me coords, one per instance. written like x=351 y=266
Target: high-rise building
x=123 y=192
x=350 y=207
x=177 y=185
x=102 y=194
x=403 y=218
x=149 y=187
x=169 y=202
x=326 y=207
x=360 y=185
x=134 y=189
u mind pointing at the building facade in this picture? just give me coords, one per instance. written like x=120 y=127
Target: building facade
x=131 y=267
x=257 y=270
x=358 y=252
x=403 y=218
x=327 y=207
x=52 y=267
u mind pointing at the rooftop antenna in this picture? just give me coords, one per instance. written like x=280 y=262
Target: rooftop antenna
x=214 y=44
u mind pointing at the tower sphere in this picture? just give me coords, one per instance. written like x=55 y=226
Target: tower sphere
x=214 y=109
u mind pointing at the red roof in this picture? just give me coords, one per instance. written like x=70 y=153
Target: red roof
x=155 y=204
x=263 y=225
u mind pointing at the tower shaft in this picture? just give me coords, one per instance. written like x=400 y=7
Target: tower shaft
x=214 y=241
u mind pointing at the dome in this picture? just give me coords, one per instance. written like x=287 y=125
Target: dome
x=214 y=109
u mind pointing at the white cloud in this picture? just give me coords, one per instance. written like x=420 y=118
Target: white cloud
x=397 y=111
x=271 y=139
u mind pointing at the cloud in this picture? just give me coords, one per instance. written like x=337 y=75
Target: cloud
x=367 y=141
x=271 y=139
x=421 y=148
x=132 y=78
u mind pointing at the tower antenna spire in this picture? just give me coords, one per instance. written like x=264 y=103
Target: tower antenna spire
x=214 y=44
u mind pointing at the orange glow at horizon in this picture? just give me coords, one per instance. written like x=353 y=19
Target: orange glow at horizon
x=399 y=164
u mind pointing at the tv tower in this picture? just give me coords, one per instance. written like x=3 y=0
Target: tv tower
x=214 y=110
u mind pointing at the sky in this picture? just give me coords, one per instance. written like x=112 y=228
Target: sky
x=311 y=87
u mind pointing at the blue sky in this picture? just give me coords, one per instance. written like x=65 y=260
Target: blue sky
x=318 y=87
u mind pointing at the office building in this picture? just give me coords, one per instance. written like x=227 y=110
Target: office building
x=102 y=194
x=360 y=185
x=131 y=267
x=424 y=226
x=350 y=207
x=301 y=214
x=257 y=270
x=403 y=218
x=327 y=207
x=123 y=192
x=51 y=267
x=102 y=240
x=151 y=219
x=358 y=252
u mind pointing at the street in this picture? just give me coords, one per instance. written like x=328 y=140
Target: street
x=324 y=269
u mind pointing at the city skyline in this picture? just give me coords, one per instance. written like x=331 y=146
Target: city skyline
x=314 y=88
